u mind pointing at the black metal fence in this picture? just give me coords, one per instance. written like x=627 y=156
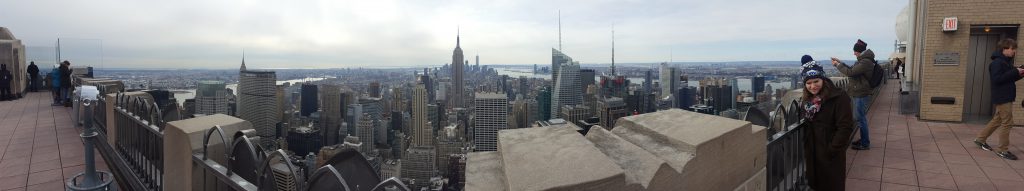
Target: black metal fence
x=785 y=153
x=139 y=139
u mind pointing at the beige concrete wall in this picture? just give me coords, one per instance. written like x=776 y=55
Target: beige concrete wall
x=948 y=81
x=184 y=137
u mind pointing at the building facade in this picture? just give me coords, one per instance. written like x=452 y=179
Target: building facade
x=422 y=132
x=948 y=67
x=491 y=117
x=567 y=88
x=211 y=98
x=257 y=102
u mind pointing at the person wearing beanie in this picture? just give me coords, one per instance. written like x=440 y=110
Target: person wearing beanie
x=829 y=123
x=859 y=87
x=1004 y=91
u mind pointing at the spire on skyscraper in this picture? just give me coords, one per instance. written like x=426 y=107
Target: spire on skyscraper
x=457 y=34
x=613 y=49
x=559 y=30
x=243 y=61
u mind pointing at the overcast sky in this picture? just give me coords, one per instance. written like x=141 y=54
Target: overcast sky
x=386 y=33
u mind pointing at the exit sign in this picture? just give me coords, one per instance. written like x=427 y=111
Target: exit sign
x=949 y=24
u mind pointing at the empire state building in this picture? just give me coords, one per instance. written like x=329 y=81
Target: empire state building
x=459 y=88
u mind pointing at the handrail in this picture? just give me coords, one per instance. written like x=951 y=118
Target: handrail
x=227 y=148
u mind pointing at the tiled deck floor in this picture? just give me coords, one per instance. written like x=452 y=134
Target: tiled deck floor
x=908 y=154
x=39 y=147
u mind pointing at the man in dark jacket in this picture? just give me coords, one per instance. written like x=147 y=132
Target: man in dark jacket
x=859 y=88
x=65 y=81
x=33 y=74
x=5 y=82
x=1004 y=91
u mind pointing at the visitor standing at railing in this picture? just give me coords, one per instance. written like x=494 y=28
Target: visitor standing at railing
x=860 y=87
x=33 y=74
x=1004 y=91
x=65 y=81
x=829 y=121
x=55 y=85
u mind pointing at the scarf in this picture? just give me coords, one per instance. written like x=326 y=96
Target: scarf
x=812 y=107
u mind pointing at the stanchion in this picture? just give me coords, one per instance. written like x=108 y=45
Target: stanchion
x=90 y=179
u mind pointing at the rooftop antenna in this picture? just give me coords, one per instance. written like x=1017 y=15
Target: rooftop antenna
x=559 y=30
x=613 y=49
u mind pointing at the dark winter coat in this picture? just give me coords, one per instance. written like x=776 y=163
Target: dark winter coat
x=1003 y=76
x=5 y=78
x=826 y=138
x=33 y=70
x=860 y=73
x=65 y=76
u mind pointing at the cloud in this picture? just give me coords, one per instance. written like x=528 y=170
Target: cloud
x=348 y=33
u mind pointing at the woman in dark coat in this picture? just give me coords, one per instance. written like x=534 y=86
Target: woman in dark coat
x=828 y=117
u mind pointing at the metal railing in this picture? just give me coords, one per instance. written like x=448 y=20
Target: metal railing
x=249 y=168
x=139 y=139
x=99 y=113
x=785 y=160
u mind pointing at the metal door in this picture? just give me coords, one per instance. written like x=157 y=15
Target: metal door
x=977 y=92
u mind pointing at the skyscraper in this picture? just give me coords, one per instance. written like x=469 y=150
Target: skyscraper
x=587 y=77
x=365 y=132
x=422 y=133
x=330 y=117
x=491 y=116
x=521 y=116
x=353 y=115
x=457 y=76
x=567 y=89
x=374 y=89
x=419 y=165
x=685 y=97
x=211 y=98
x=611 y=109
x=648 y=84
x=309 y=100
x=667 y=78
x=735 y=84
x=544 y=103
x=557 y=59
x=757 y=85
x=258 y=103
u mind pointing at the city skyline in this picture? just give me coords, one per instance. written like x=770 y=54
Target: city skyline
x=392 y=34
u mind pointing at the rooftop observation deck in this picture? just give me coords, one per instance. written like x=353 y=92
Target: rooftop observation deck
x=40 y=148
x=909 y=154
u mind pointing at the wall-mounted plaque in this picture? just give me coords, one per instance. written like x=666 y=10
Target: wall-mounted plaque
x=947 y=58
